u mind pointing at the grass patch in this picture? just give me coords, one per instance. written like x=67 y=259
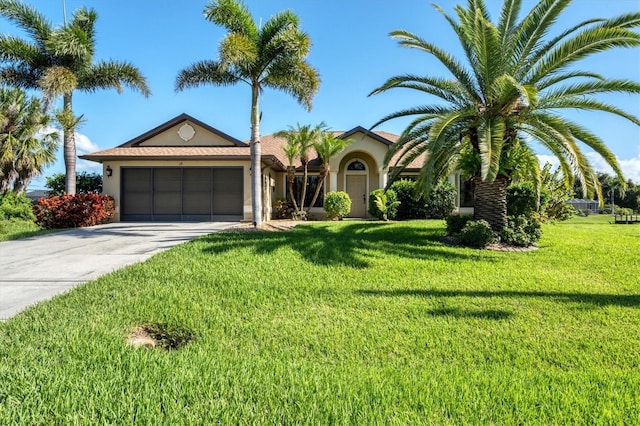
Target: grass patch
x=350 y=323
x=16 y=229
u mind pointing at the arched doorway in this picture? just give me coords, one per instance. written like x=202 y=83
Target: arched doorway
x=357 y=186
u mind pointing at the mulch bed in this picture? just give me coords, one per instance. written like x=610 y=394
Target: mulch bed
x=494 y=246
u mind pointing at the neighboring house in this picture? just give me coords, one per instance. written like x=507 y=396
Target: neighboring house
x=186 y=170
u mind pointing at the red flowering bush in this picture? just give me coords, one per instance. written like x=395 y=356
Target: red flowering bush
x=72 y=211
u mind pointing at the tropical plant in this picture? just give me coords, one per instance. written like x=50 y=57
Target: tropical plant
x=60 y=61
x=337 y=204
x=385 y=205
x=509 y=92
x=26 y=143
x=389 y=201
x=269 y=55
x=14 y=206
x=328 y=146
x=300 y=140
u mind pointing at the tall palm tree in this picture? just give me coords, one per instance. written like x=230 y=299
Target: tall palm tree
x=291 y=151
x=508 y=91
x=59 y=61
x=303 y=138
x=271 y=55
x=26 y=145
x=328 y=146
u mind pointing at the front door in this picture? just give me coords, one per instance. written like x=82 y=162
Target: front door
x=357 y=190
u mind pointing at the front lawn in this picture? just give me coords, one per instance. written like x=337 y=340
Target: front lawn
x=348 y=323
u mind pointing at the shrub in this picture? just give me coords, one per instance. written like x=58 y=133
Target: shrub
x=86 y=183
x=477 y=233
x=522 y=231
x=455 y=223
x=391 y=199
x=337 y=205
x=410 y=207
x=72 y=211
x=522 y=199
x=441 y=201
x=283 y=209
x=16 y=206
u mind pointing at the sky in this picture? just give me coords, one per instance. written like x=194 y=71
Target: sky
x=351 y=50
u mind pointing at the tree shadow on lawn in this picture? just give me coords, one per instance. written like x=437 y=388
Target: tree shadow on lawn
x=346 y=245
x=489 y=314
x=623 y=300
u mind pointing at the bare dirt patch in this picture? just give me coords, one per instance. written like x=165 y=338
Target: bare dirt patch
x=271 y=226
x=161 y=336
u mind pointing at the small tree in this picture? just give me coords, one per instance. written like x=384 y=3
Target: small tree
x=86 y=183
x=328 y=146
x=385 y=205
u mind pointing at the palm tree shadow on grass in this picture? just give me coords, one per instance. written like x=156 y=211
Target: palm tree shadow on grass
x=346 y=245
x=594 y=299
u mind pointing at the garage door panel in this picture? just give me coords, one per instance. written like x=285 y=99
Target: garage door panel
x=227 y=196
x=182 y=194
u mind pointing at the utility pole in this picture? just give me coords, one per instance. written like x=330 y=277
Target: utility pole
x=64 y=12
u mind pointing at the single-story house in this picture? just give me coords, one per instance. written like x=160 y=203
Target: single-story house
x=187 y=170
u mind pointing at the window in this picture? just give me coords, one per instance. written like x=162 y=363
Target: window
x=357 y=166
x=466 y=194
x=312 y=184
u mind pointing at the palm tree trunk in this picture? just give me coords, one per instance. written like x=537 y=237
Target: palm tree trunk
x=256 y=154
x=291 y=176
x=490 y=202
x=305 y=176
x=324 y=172
x=69 y=148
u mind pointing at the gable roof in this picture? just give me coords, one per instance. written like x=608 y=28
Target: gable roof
x=175 y=121
x=272 y=147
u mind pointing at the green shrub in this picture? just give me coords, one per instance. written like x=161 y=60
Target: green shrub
x=391 y=199
x=14 y=206
x=337 y=205
x=477 y=233
x=384 y=205
x=86 y=183
x=410 y=207
x=522 y=231
x=441 y=201
x=72 y=211
x=283 y=209
x=455 y=223
x=522 y=199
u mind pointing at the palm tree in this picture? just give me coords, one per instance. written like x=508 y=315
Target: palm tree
x=291 y=151
x=328 y=146
x=271 y=55
x=301 y=139
x=59 y=61
x=26 y=146
x=509 y=91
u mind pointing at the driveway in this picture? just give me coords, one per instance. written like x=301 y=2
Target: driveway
x=38 y=268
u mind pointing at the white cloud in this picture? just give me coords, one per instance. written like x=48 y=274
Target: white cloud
x=84 y=145
x=630 y=167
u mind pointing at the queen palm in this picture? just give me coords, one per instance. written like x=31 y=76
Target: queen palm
x=508 y=92
x=59 y=61
x=300 y=140
x=271 y=55
x=328 y=146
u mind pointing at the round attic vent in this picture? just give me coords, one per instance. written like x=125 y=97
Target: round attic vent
x=186 y=132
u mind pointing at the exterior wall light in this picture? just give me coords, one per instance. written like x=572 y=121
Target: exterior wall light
x=109 y=171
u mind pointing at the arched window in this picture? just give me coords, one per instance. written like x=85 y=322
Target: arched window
x=357 y=166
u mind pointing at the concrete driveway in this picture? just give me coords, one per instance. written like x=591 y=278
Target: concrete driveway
x=38 y=268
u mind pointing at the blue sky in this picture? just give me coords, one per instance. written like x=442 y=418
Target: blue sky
x=352 y=51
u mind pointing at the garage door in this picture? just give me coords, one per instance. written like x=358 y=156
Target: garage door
x=182 y=194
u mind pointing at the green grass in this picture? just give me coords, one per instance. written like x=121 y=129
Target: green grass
x=16 y=229
x=347 y=323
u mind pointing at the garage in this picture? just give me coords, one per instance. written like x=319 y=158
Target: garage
x=181 y=194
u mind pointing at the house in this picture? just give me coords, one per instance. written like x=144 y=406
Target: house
x=186 y=170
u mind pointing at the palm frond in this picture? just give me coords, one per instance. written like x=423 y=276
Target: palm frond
x=589 y=105
x=296 y=77
x=449 y=90
x=113 y=75
x=28 y=18
x=232 y=15
x=206 y=72
x=407 y=39
x=556 y=78
x=239 y=50
x=491 y=139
